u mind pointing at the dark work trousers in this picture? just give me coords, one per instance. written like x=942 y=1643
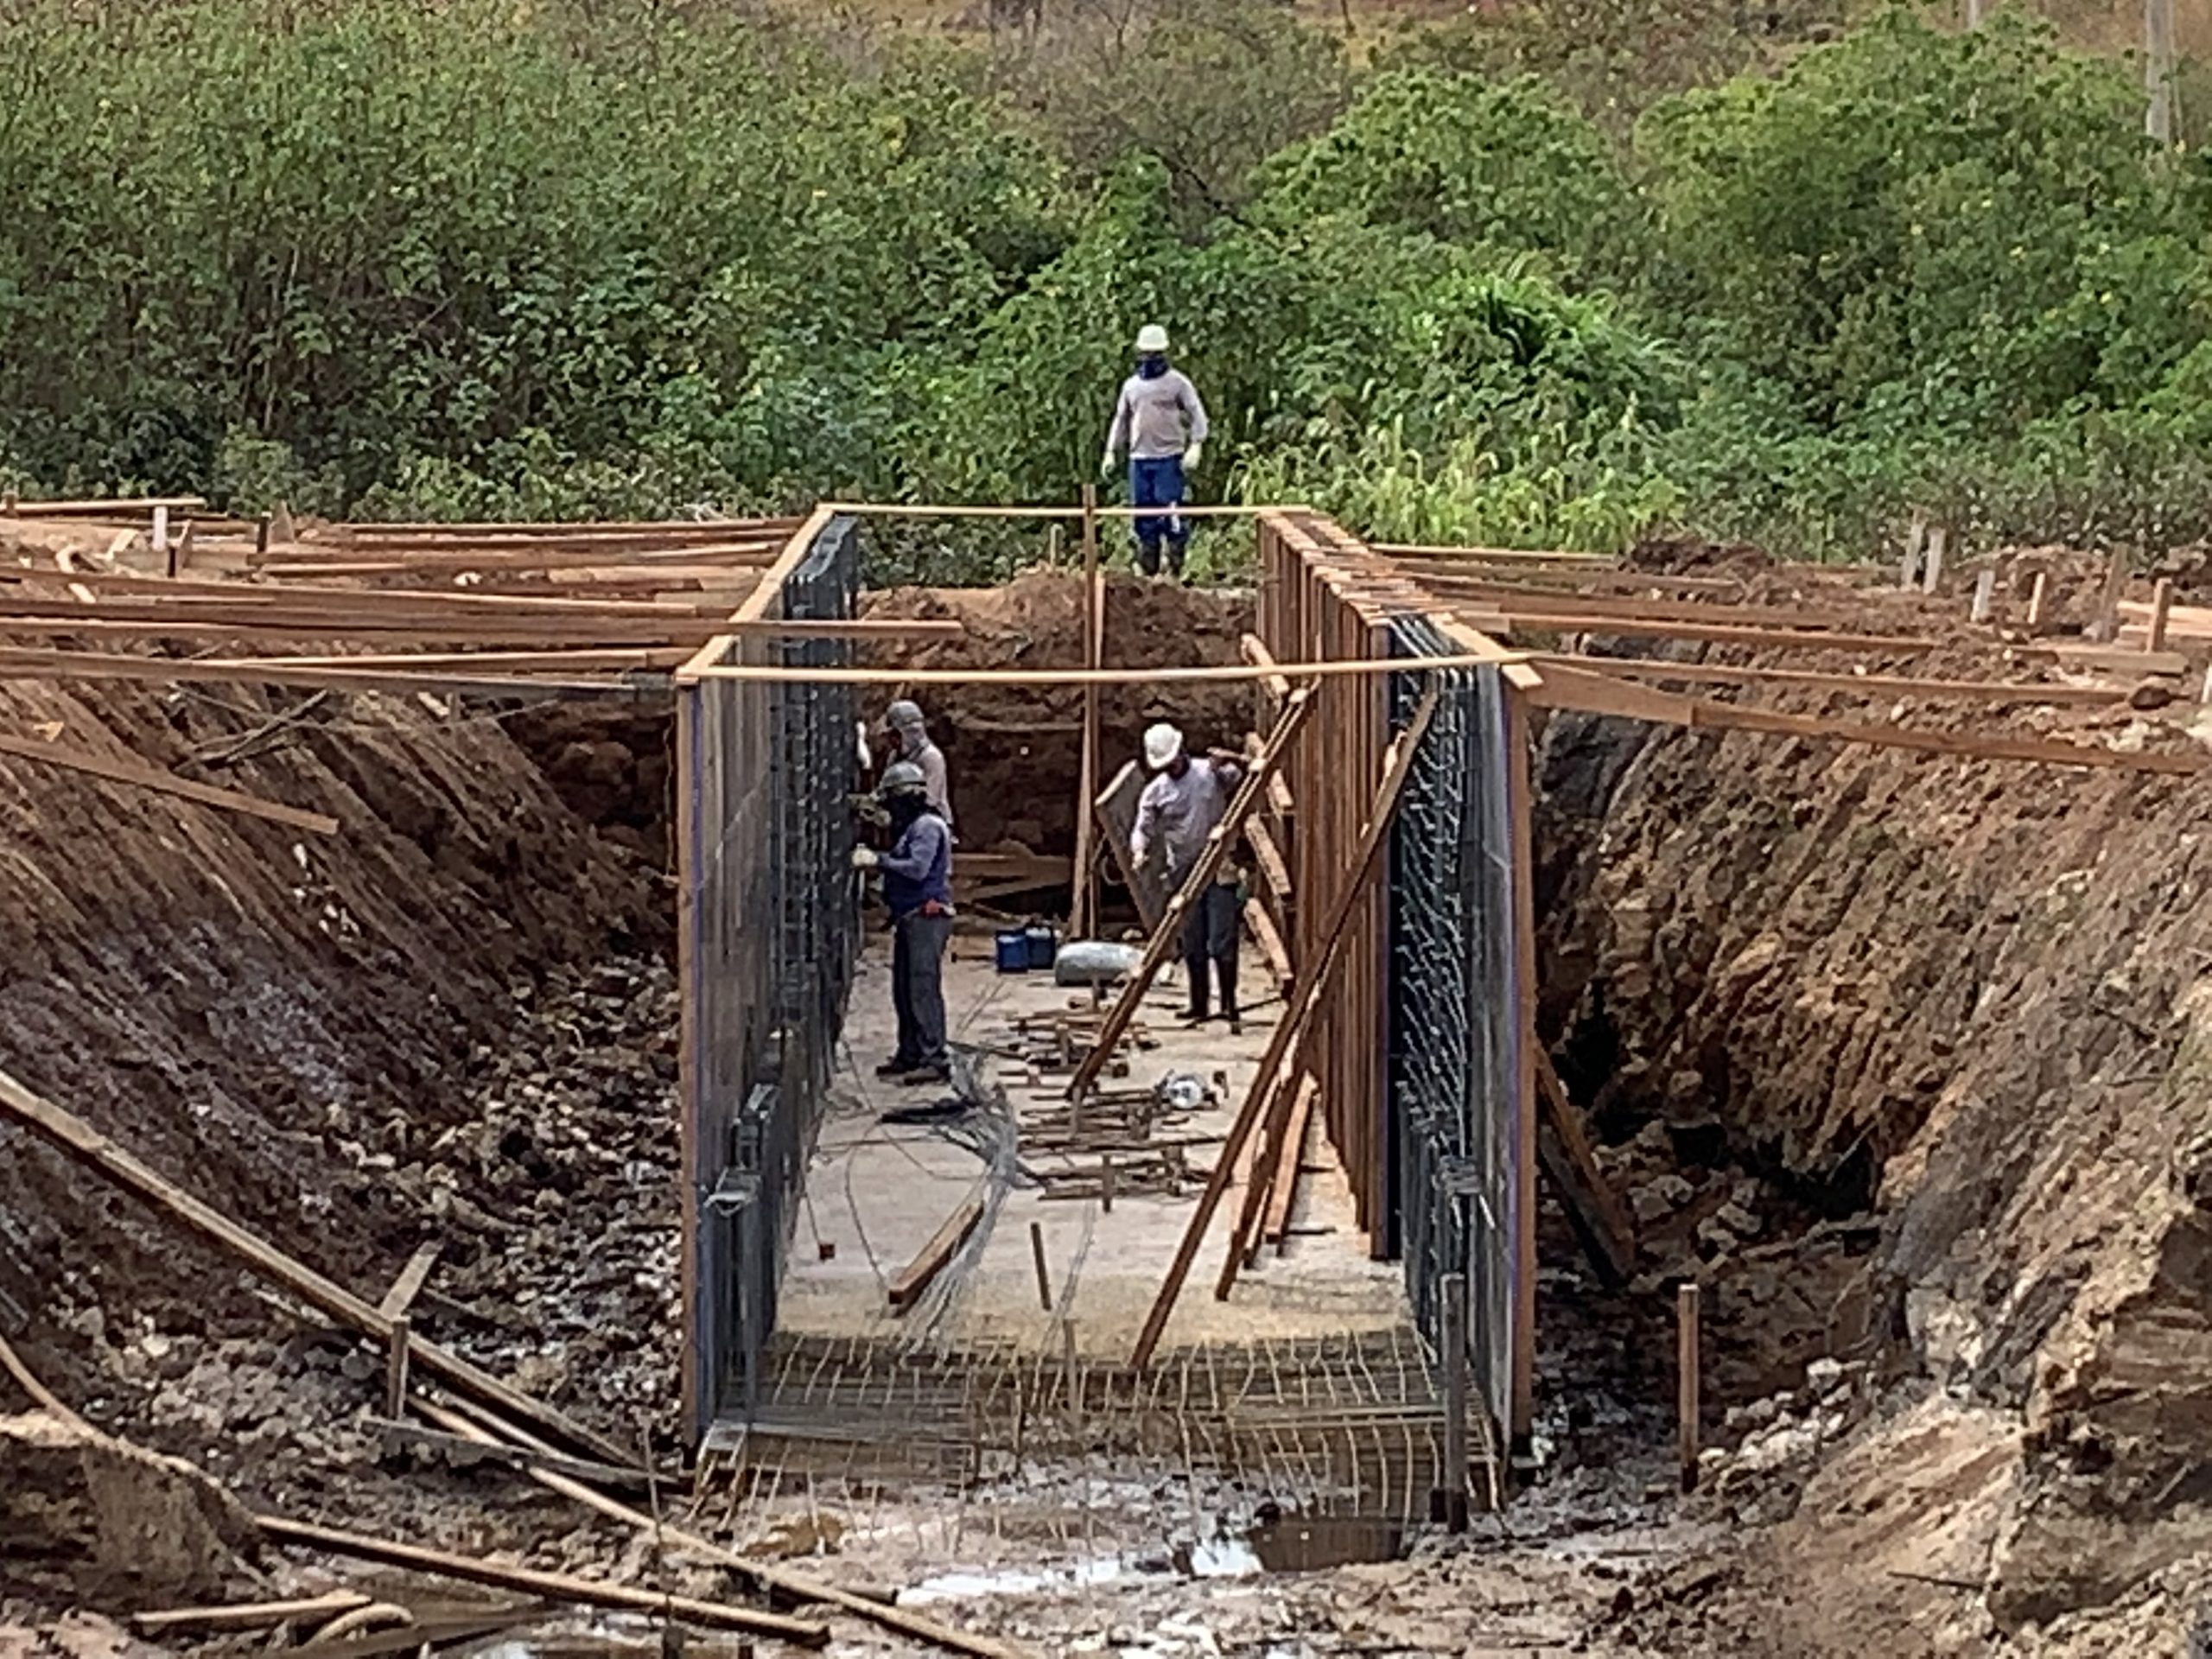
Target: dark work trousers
x=1159 y=483
x=1210 y=934
x=917 y=944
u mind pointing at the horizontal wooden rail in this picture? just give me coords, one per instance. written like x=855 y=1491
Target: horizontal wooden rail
x=1228 y=673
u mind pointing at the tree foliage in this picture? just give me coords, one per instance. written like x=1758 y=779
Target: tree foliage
x=633 y=255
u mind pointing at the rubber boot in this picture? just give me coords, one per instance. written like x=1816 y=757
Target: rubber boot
x=1226 y=968
x=1195 y=968
x=1148 y=556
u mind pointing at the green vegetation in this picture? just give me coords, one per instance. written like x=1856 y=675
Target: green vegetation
x=615 y=257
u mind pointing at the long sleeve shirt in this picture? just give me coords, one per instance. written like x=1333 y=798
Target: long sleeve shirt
x=936 y=788
x=918 y=868
x=1157 y=417
x=1180 y=813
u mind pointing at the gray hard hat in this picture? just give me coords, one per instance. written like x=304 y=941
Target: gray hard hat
x=902 y=777
x=902 y=715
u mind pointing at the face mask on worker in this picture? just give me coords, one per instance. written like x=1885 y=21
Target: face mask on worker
x=1151 y=365
x=904 y=809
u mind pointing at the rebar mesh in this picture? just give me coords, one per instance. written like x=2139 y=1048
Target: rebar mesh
x=1453 y=1197
x=771 y=926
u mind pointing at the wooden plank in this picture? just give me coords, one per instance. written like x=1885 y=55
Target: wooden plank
x=1601 y=1221
x=759 y=1574
x=1270 y=941
x=1195 y=881
x=1601 y=693
x=1514 y=602
x=1117 y=811
x=1490 y=555
x=1507 y=579
x=95 y=507
x=249 y=1614
x=461 y=1453
x=41 y=1396
x=1289 y=1030
x=1871 y=685
x=64 y=665
x=1688 y=1383
x=1203 y=674
x=1560 y=620
x=1520 y=817
x=1290 y=1157
x=1083 y=909
x=1256 y=653
x=1280 y=801
x=71 y=1135
x=412 y=1277
x=1268 y=857
x=2111 y=659
x=138 y=774
x=553 y=1586
x=905 y=1289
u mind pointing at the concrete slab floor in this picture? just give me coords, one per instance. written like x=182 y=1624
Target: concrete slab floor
x=879 y=1191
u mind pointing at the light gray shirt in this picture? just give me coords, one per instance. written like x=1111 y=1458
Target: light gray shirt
x=1157 y=417
x=936 y=786
x=1177 y=814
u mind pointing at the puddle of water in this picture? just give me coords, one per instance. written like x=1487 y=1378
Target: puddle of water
x=1312 y=1543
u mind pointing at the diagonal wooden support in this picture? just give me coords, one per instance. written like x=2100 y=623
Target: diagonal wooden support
x=1218 y=841
x=1287 y=1031
x=1601 y=1221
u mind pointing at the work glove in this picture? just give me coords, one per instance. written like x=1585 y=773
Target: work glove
x=1192 y=457
x=1138 y=848
x=867 y=755
x=864 y=858
x=1106 y=467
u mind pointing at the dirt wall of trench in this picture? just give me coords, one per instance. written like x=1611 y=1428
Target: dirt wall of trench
x=1954 y=1014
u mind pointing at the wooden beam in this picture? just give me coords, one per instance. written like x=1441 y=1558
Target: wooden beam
x=1560 y=620
x=460 y=1452
x=553 y=1586
x=412 y=1277
x=1203 y=674
x=1601 y=1221
x=1600 y=694
x=138 y=774
x=1195 y=881
x=1289 y=1029
x=1871 y=685
x=1490 y=555
x=1256 y=653
x=37 y=665
x=1514 y=603
x=249 y=1614
x=1268 y=857
x=916 y=1276
x=41 y=1396
x=71 y=1135
x=1290 y=1156
x=116 y=506
x=1083 y=899
x=1270 y=941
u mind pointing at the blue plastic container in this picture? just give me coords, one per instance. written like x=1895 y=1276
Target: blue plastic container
x=1044 y=946
x=1012 y=951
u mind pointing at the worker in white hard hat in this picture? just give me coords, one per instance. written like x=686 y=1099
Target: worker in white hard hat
x=904 y=721
x=1178 y=811
x=1161 y=424
x=918 y=886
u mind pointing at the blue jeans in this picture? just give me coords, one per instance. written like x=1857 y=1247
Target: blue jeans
x=1159 y=483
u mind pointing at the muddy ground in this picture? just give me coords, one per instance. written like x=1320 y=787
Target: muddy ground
x=1899 y=1055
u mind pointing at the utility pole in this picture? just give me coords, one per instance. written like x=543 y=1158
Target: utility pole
x=2158 y=70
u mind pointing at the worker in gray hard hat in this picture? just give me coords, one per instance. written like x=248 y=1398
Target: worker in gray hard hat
x=1177 y=813
x=904 y=721
x=918 y=888
x=1161 y=423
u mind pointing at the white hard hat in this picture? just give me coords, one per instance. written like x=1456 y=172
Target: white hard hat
x=1152 y=339
x=1162 y=743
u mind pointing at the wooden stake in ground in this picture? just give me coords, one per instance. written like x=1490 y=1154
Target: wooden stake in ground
x=1288 y=1031
x=1687 y=1387
x=1448 y=1503
x=1083 y=900
x=1218 y=841
x=79 y=1141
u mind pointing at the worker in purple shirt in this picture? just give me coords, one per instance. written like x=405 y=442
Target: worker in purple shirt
x=918 y=886
x=1160 y=422
x=1177 y=812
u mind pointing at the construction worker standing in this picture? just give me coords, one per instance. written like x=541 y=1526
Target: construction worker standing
x=904 y=721
x=1161 y=423
x=1178 y=808
x=918 y=886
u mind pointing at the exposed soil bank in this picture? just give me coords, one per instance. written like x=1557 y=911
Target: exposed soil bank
x=1965 y=1000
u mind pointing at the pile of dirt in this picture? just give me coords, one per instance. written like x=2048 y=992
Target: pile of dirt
x=1013 y=753
x=89 y=1516
x=1949 y=1017
x=450 y=1020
